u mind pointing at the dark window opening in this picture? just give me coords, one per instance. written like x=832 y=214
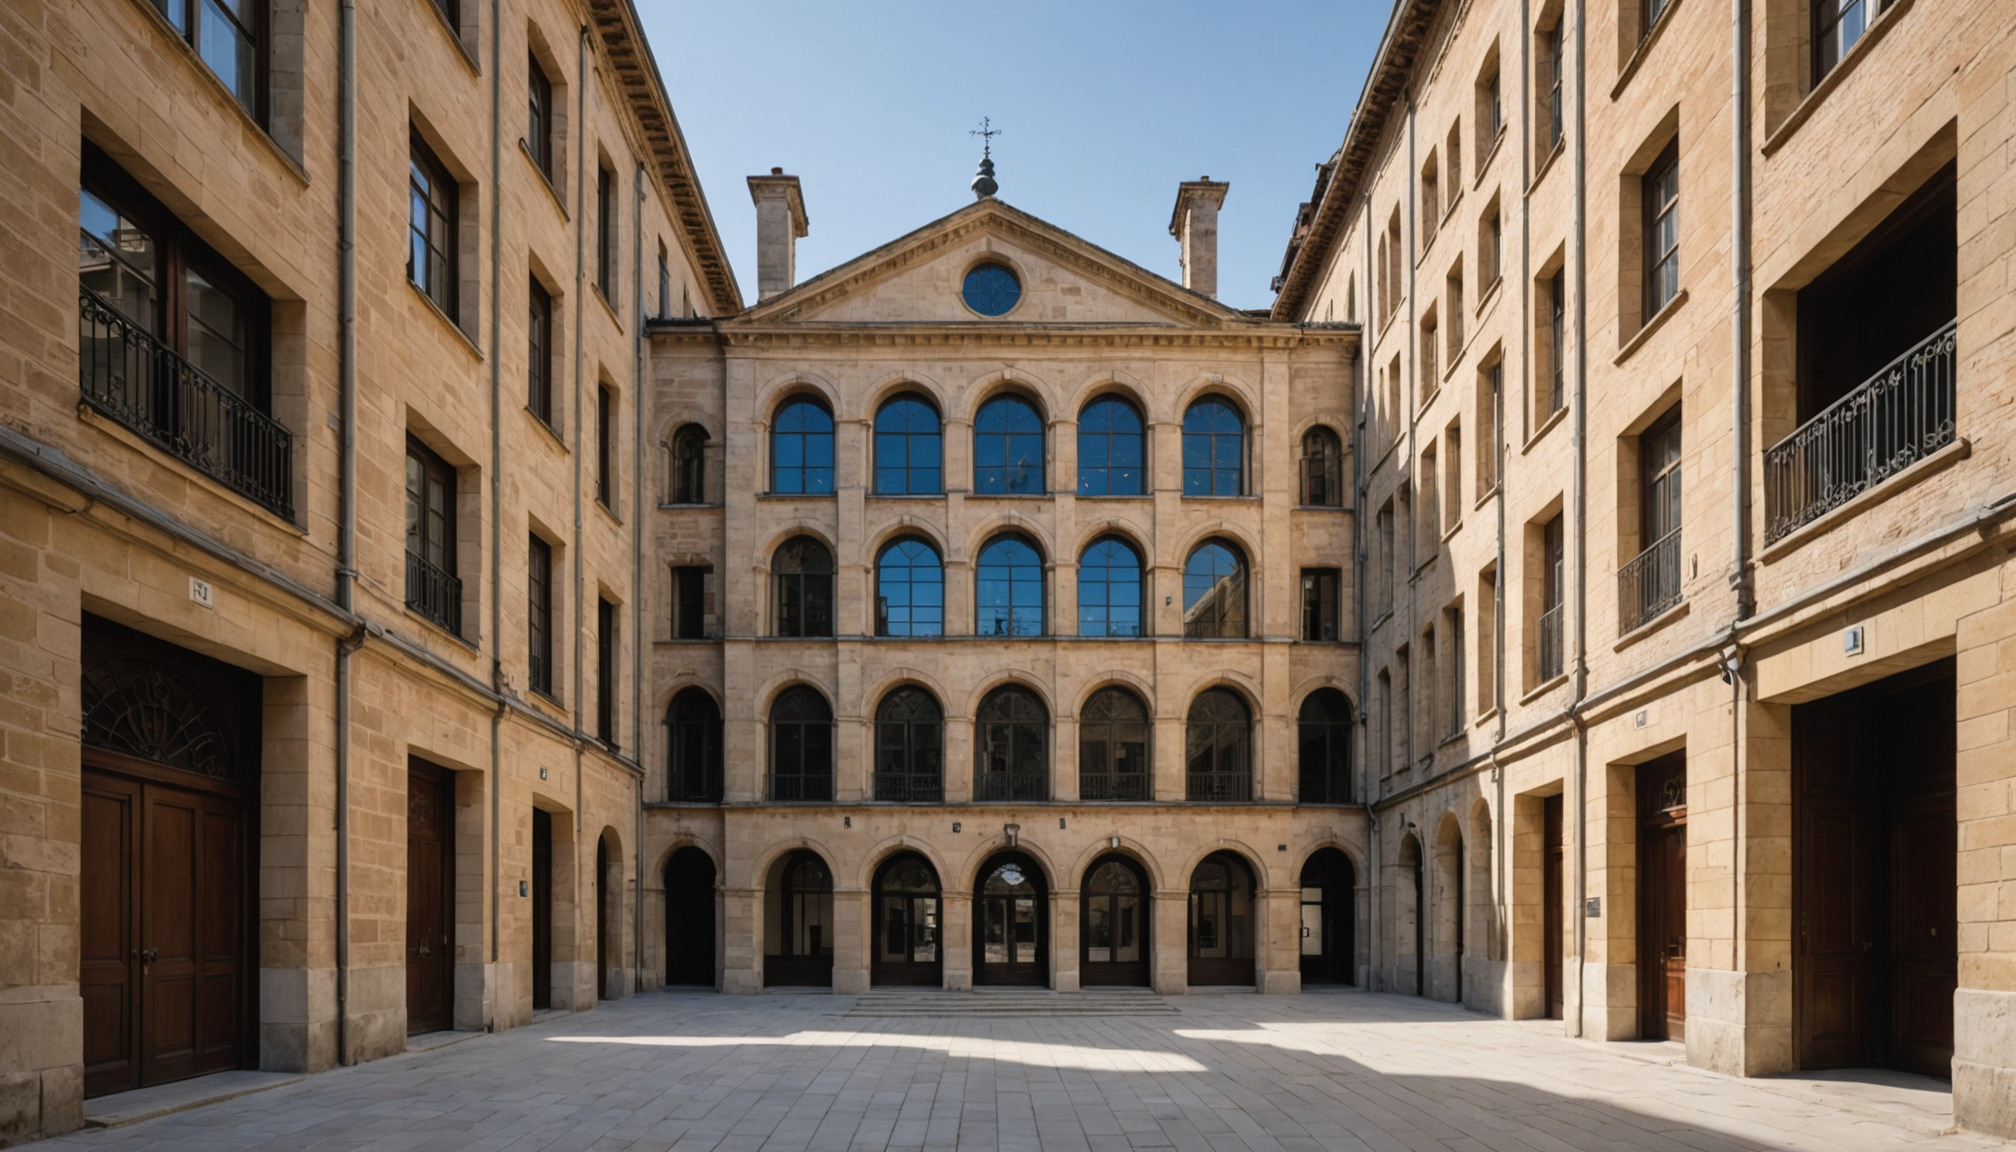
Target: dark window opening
x=1322 y=469
x=1320 y=603
x=539 y=616
x=801 y=449
x=230 y=36
x=693 y=767
x=1008 y=448
x=1660 y=192
x=689 y=603
x=539 y=361
x=802 y=583
x=605 y=672
x=1113 y=730
x=431 y=256
x=801 y=746
x=605 y=233
x=605 y=447
x=909 y=748
x=539 y=122
x=1012 y=747
x=1219 y=756
x=432 y=588
x=1323 y=751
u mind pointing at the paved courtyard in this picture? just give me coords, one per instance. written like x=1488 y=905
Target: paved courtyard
x=1344 y=1070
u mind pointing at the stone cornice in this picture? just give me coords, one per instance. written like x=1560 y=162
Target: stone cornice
x=774 y=336
x=629 y=54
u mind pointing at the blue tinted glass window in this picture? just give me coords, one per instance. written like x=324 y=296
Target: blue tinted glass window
x=909 y=591
x=1109 y=590
x=1009 y=589
x=1008 y=448
x=991 y=290
x=909 y=449
x=1214 y=450
x=801 y=449
x=1109 y=449
x=1214 y=592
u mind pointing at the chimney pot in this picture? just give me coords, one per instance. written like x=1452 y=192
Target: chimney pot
x=1194 y=224
x=780 y=172
x=780 y=221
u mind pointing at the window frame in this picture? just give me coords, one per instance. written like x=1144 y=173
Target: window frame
x=1661 y=213
x=539 y=673
x=1024 y=786
x=883 y=624
x=689 y=464
x=605 y=447
x=794 y=596
x=908 y=438
x=1337 y=734
x=186 y=18
x=689 y=601
x=436 y=475
x=539 y=118
x=606 y=621
x=807 y=474
x=1225 y=786
x=1331 y=462
x=447 y=215
x=1142 y=623
x=807 y=747
x=1115 y=785
x=907 y=779
x=1322 y=608
x=679 y=744
x=1006 y=485
x=539 y=352
x=1013 y=605
x=605 y=232
x=1107 y=439
x=1211 y=439
x=1221 y=625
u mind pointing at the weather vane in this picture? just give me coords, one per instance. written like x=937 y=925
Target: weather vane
x=983 y=180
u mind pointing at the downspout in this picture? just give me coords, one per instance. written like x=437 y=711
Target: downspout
x=346 y=532
x=637 y=589
x=496 y=637
x=1506 y=821
x=1739 y=391
x=1404 y=423
x=1581 y=529
x=1361 y=483
x=580 y=362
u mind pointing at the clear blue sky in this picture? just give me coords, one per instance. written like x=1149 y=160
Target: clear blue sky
x=1105 y=107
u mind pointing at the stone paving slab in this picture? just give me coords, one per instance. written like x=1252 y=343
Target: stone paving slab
x=1353 y=1072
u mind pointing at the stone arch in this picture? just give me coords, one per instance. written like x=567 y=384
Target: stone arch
x=873 y=859
x=1020 y=678
x=782 y=682
x=1229 y=678
x=969 y=869
x=1302 y=688
x=1110 y=383
x=1119 y=527
x=905 y=525
x=1448 y=910
x=1115 y=678
x=1129 y=847
x=1410 y=915
x=1230 y=388
x=890 y=385
x=798 y=527
x=774 y=393
x=1008 y=380
x=1007 y=524
x=900 y=677
x=1220 y=529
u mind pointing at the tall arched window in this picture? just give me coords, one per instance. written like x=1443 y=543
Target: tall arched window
x=801 y=746
x=909 y=748
x=1214 y=450
x=1322 y=469
x=909 y=449
x=1214 y=592
x=1012 y=747
x=802 y=588
x=1218 y=741
x=801 y=448
x=1008 y=448
x=1324 y=748
x=1109 y=589
x=1111 y=456
x=1008 y=589
x=1113 y=747
x=693 y=753
x=689 y=465
x=909 y=590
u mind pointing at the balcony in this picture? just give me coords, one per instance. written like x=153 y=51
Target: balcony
x=1113 y=786
x=1219 y=787
x=128 y=374
x=1551 y=648
x=1890 y=421
x=1010 y=786
x=1649 y=584
x=434 y=592
x=910 y=787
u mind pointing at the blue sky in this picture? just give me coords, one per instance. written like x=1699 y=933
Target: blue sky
x=1105 y=106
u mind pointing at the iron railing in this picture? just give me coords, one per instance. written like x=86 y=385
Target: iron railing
x=1113 y=786
x=1550 y=643
x=434 y=592
x=995 y=786
x=128 y=374
x=808 y=787
x=1220 y=787
x=1895 y=418
x=698 y=479
x=910 y=787
x=1649 y=583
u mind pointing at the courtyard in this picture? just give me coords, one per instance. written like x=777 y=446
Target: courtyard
x=1030 y=1070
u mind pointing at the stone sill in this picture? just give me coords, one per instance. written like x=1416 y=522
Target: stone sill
x=1836 y=78
x=552 y=433
x=1546 y=426
x=286 y=158
x=436 y=628
x=545 y=181
x=1646 y=330
x=1655 y=624
x=1547 y=163
x=1643 y=49
x=1543 y=689
x=468 y=341
x=1938 y=461
x=797 y=495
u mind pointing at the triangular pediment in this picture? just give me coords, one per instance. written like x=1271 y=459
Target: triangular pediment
x=1066 y=281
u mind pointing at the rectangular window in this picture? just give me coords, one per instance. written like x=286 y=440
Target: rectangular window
x=1453 y=151
x=664 y=282
x=1653 y=10
x=1553 y=583
x=431 y=258
x=1556 y=305
x=1452 y=626
x=1452 y=476
x=1837 y=26
x=1431 y=201
x=1431 y=508
x=230 y=36
x=1661 y=196
x=1426 y=725
x=605 y=447
x=1429 y=354
x=1402 y=727
x=689 y=603
x=605 y=672
x=605 y=233
x=1490 y=106
x=451 y=11
x=1383 y=718
x=539 y=123
x=1489 y=382
x=1453 y=292
x=1403 y=520
x=1490 y=249
x=539 y=362
x=1551 y=67
x=539 y=616
x=432 y=588
x=1383 y=563
x=1649 y=583
x=1319 y=603
x=1487 y=625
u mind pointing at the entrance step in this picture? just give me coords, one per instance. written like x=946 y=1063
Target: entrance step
x=999 y=1002
x=123 y=1108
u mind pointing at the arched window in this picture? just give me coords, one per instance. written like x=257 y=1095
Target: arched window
x=801 y=448
x=1214 y=450
x=801 y=577
x=1012 y=747
x=1113 y=747
x=1214 y=592
x=909 y=590
x=1324 y=749
x=1322 y=469
x=1008 y=589
x=1219 y=748
x=693 y=755
x=1110 y=452
x=1109 y=589
x=909 y=449
x=689 y=465
x=1008 y=448
x=909 y=748
x=801 y=746
x=798 y=929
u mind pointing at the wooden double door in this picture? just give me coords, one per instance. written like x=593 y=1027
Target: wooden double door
x=1875 y=874
x=430 y=898
x=165 y=961
x=1113 y=925
x=1662 y=898
x=1011 y=922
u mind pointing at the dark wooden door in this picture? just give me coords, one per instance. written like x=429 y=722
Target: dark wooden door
x=1113 y=932
x=430 y=898
x=108 y=927
x=1551 y=895
x=1010 y=923
x=1918 y=765
x=542 y=909
x=602 y=918
x=1662 y=898
x=689 y=918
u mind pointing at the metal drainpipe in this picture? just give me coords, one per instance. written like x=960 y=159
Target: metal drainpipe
x=1739 y=329
x=1581 y=530
x=580 y=290
x=1506 y=821
x=1361 y=485
x=496 y=637
x=346 y=533
x=636 y=589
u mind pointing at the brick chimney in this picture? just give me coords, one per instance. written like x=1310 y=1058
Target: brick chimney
x=1194 y=224
x=780 y=221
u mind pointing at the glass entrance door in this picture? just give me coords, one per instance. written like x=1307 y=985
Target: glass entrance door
x=1114 y=927
x=907 y=910
x=1011 y=924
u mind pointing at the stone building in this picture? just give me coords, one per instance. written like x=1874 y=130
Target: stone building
x=321 y=384
x=1009 y=607
x=1727 y=761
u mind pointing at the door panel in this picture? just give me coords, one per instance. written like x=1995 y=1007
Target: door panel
x=1662 y=898
x=170 y=979
x=107 y=954
x=542 y=909
x=430 y=831
x=1551 y=912
x=224 y=928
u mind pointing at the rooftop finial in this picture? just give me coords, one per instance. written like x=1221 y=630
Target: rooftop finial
x=983 y=180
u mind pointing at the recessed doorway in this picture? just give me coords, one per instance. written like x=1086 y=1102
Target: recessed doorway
x=1113 y=927
x=1221 y=922
x=1011 y=925
x=1329 y=920
x=689 y=918
x=908 y=913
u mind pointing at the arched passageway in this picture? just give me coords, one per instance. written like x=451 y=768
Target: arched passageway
x=908 y=914
x=689 y=918
x=1329 y=919
x=1221 y=921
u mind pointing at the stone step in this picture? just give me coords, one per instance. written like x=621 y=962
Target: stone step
x=1010 y=1002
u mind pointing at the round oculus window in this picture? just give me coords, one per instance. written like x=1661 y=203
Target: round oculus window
x=991 y=290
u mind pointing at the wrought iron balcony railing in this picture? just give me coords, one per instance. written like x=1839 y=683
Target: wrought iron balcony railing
x=128 y=374
x=801 y=787
x=1113 y=786
x=434 y=592
x=1550 y=644
x=1220 y=787
x=694 y=784
x=910 y=787
x=995 y=786
x=1895 y=418
x=1649 y=583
